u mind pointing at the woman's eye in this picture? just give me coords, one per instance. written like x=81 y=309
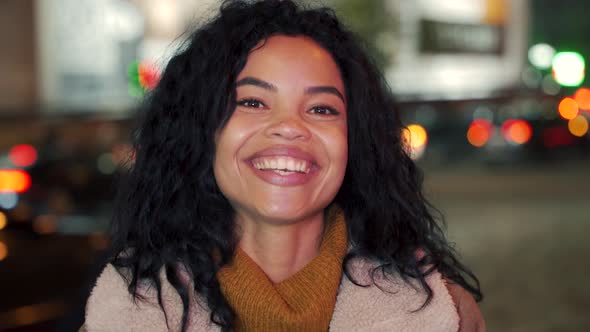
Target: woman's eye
x=251 y=103
x=324 y=110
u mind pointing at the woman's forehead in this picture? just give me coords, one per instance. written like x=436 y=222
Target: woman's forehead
x=295 y=57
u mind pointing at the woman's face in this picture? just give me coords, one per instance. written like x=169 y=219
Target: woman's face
x=282 y=155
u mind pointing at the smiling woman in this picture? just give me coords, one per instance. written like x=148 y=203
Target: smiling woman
x=272 y=191
x=290 y=114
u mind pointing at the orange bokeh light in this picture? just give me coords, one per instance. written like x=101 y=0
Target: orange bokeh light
x=582 y=97
x=479 y=132
x=578 y=126
x=3 y=220
x=568 y=108
x=416 y=136
x=14 y=181
x=517 y=131
x=3 y=251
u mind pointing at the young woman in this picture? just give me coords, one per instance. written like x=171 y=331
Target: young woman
x=272 y=191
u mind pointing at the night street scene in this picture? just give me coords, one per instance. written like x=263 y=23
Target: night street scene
x=494 y=95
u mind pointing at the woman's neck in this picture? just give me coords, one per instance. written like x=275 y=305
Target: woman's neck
x=281 y=250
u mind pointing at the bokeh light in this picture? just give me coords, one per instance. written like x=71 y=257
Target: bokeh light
x=568 y=108
x=479 y=132
x=149 y=75
x=416 y=136
x=578 y=126
x=3 y=251
x=568 y=68
x=143 y=76
x=14 y=181
x=3 y=220
x=8 y=200
x=23 y=155
x=541 y=55
x=582 y=97
x=517 y=131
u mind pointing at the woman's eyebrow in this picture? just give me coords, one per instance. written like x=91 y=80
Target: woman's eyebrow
x=325 y=89
x=256 y=82
x=269 y=86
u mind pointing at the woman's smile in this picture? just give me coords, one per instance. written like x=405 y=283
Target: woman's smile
x=283 y=165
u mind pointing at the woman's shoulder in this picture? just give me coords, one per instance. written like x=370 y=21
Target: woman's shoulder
x=392 y=301
x=111 y=307
x=471 y=318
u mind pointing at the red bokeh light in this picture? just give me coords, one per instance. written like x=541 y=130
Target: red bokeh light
x=149 y=75
x=517 y=131
x=479 y=132
x=23 y=155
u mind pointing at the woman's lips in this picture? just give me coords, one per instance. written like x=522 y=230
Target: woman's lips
x=290 y=178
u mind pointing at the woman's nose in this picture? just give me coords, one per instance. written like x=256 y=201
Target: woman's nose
x=288 y=127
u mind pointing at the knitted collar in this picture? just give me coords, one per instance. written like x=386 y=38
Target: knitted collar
x=303 y=302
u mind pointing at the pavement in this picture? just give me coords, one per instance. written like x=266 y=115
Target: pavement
x=524 y=232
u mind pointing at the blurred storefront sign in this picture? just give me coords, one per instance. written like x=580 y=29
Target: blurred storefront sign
x=457 y=49
x=457 y=38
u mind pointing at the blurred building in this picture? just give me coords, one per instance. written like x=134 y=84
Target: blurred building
x=449 y=63
x=17 y=59
x=74 y=56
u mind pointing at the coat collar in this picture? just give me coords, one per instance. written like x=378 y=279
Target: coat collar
x=388 y=305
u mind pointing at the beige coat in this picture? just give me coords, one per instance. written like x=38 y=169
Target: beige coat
x=111 y=307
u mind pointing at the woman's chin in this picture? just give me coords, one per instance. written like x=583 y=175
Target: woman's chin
x=286 y=214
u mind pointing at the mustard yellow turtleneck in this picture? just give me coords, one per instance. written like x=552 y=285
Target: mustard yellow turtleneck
x=303 y=302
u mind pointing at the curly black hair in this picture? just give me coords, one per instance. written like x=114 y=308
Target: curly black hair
x=169 y=212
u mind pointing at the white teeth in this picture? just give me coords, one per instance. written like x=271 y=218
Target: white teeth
x=290 y=165
x=282 y=164
x=278 y=171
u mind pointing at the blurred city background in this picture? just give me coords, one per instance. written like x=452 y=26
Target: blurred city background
x=494 y=94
